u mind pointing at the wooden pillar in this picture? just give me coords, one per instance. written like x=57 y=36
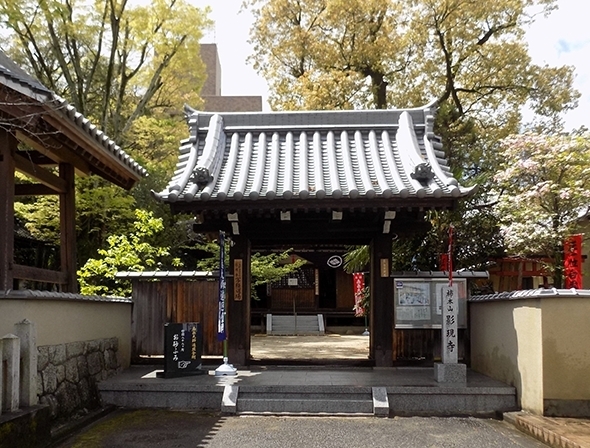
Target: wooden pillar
x=8 y=145
x=67 y=220
x=381 y=301
x=238 y=305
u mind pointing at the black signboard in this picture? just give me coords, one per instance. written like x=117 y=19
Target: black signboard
x=183 y=347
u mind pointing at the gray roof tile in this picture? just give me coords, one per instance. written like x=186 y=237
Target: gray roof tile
x=327 y=154
x=16 y=78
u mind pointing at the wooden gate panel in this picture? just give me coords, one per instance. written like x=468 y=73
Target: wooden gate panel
x=156 y=303
x=282 y=299
x=422 y=344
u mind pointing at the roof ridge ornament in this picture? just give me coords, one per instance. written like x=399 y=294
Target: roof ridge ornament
x=201 y=176
x=423 y=173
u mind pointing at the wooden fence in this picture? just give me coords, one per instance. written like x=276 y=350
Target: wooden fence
x=175 y=300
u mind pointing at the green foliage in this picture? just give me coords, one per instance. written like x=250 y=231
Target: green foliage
x=129 y=67
x=542 y=184
x=470 y=56
x=363 y=307
x=263 y=268
x=112 y=60
x=134 y=252
x=356 y=259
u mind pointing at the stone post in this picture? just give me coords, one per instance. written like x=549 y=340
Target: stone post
x=449 y=371
x=11 y=355
x=27 y=334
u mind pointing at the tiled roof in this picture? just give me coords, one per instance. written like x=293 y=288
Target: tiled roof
x=532 y=294
x=22 y=294
x=311 y=155
x=12 y=76
x=166 y=274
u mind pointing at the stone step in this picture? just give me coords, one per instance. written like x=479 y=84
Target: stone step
x=285 y=400
x=308 y=406
x=295 y=325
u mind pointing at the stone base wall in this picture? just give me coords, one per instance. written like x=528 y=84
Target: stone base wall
x=68 y=374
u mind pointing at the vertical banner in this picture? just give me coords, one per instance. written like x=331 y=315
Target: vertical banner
x=450 y=255
x=221 y=333
x=572 y=262
x=358 y=280
x=443 y=262
x=450 y=304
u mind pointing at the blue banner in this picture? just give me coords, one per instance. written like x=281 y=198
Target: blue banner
x=221 y=333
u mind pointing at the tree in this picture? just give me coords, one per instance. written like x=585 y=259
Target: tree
x=134 y=252
x=263 y=268
x=379 y=53
x=113 y=62
x=469 y=55
x=543 y=185
x=127 y=68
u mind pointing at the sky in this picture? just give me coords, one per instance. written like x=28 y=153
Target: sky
x=563 y=38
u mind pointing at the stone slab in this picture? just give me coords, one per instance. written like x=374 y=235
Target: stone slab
x=380 y=402
x=229 y=401
x=450 y=373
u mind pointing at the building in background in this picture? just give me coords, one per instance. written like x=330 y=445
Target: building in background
x=211 y=92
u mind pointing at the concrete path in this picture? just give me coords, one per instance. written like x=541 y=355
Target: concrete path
x=171 y=429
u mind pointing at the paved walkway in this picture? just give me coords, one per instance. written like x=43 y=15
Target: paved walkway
x=555 y=432
x=179 y=429
x=330 y=346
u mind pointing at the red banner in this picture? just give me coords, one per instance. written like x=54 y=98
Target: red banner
x=443 y=262
x=358 y=279
x=572 y=262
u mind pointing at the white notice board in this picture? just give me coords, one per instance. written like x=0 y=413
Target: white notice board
x=417 y=302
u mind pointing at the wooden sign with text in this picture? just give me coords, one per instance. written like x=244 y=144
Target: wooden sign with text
x=238 y=280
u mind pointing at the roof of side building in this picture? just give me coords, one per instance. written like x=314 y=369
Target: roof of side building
x=103 y=155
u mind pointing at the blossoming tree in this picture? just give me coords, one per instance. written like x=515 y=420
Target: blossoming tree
x=544 y=187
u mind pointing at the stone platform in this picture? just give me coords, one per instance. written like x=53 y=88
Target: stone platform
x=299 y=390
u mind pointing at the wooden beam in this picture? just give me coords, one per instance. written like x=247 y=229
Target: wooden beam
x=27 y=167
x=54 y=150
x=38 y=275
x=32 y=190
x=238 y=306
x=8 y=145
x=79 y=137
x=381 y=346
x=67 y=221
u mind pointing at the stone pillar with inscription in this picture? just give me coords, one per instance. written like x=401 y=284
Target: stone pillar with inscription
x=449 y=370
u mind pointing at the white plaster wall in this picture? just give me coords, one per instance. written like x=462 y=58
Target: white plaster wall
x=566 y=348
x=64 y=321
x=506 y=345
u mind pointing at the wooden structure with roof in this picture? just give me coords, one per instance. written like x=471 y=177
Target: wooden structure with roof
x=308 y=180
x=40 y=132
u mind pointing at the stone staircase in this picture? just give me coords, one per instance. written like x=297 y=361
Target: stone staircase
x=284 y=325
x=311 y=391
x=294 y=400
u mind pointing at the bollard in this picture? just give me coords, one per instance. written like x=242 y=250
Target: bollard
x=11 y=355
x=27 y=334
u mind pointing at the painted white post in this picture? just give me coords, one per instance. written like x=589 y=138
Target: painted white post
x=11 y=355
x=27 y=334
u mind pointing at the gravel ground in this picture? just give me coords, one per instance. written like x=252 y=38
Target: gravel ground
x=330 y=346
